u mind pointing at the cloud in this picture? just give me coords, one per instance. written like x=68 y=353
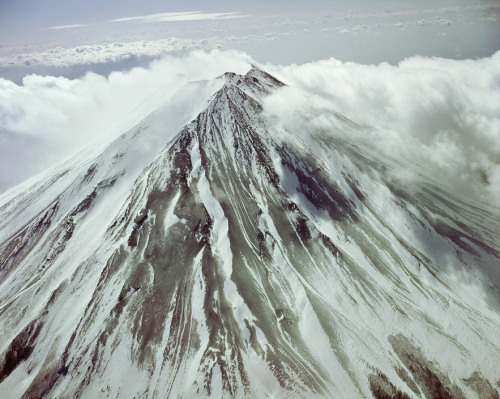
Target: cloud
x=441 y=114
x=106 y=52
x=48 y=118
x=59 y=27
x=181 y=16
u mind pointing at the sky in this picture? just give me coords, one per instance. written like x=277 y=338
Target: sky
x=67 y=69
x=59 y=36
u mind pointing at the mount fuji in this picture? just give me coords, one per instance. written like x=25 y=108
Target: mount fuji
x=231 y=261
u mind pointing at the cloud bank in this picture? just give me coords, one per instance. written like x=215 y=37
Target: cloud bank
x=103 y=53
x=438 y=113
x=441 y=114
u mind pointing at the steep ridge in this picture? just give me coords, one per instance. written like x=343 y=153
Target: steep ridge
x=234 y=264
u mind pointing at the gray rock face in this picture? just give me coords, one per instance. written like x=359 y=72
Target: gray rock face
x=236 y=264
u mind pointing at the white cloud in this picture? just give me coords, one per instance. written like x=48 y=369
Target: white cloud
x=439 y=113
x=181 y=16
x=106 y=52
x=59 y=27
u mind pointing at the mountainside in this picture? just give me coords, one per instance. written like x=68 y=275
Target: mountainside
x=233 y=263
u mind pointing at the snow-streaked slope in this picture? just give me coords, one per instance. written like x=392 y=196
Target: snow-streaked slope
x=233 y=264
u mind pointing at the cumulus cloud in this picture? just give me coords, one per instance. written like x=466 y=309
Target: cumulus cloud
x=49 y=118
x=181 y=16
x=441 y=114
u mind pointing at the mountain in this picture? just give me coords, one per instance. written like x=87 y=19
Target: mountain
x=232 y=261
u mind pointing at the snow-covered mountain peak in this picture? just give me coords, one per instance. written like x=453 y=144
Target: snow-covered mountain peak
x=225 y=264
x=255 y=82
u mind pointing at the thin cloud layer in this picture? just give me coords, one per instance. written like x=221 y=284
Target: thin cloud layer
x=59 y=27
x=441 y=114
x=181 y=16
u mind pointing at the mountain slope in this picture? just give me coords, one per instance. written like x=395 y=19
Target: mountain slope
x=234 y=264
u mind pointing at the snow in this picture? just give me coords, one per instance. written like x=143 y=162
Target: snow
x=220 y=225
x=170 y=217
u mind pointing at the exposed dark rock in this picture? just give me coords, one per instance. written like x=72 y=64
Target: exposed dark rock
x=138 y=222
x=382 y=388
x=407 y=379
x=318 y=189
x=482 y=386
x=355 y=188
x=302 y=229
x=433 y=383
x=90 y=173
x=20 y=348
x=14 y=250
x=46 y=377
x=330 y=245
